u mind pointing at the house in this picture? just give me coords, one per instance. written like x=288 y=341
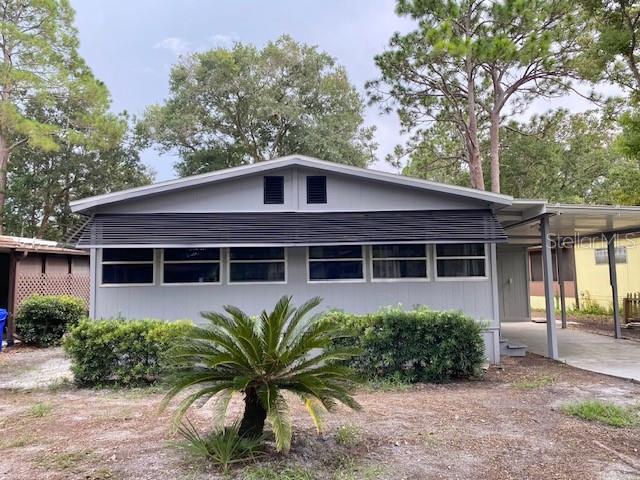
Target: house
x=30 y=266
x=568 y=275
x=359 y=238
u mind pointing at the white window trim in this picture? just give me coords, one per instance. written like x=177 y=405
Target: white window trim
x=484 y=257
x=284 y=260
x=133 y=262
x=426 y=259
x=178 y=262
x=339 y=280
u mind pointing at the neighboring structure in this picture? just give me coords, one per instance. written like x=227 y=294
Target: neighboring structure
x=585 y=272
x=31 y=266
x=358 y=238
x=568 y=274
x=591 y=263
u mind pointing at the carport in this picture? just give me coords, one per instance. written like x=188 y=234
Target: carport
x=536 y=223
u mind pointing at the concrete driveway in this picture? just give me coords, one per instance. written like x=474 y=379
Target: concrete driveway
x=589 y=351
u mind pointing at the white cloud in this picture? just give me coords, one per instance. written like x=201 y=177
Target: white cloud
x=177 y=45
x=220 y=40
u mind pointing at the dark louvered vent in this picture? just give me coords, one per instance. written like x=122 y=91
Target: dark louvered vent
x=317 y=189
x=292 y=228
x=273 y=190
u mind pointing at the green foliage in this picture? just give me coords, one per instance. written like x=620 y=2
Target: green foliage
x=603 y=412
x=121 y=352
x=42 y=320
x=285 y=349
x=466 y=67
x=348 y=435
x=276 y=473
x=224 y=447
x=588 y=306
x=612 y=53
x=229 y=107
x=39 y=410
x=418 y=346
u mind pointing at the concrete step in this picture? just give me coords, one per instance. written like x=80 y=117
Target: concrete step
x=512 y=349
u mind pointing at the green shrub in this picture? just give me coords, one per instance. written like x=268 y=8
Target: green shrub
x=43 y=319
x=121 y=352
x=416 y=346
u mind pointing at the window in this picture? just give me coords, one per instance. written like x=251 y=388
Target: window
x=602 y=255
x=263 y=264
x=127 y=266
x=335 y=263
x=399 y=261
x=273 y=190
x=190 y=265
x=316 y=189
x=461 y=260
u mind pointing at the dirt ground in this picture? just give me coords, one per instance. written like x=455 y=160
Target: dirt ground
x=494 y=428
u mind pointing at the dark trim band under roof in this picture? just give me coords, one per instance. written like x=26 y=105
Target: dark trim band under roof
x=291 y=228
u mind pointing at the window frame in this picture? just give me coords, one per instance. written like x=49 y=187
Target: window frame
x=130 y=262
x=284 y=260
x=427 y=258
x=362 y=259
x=475 y=278
x=190 y=284
x=622 y=260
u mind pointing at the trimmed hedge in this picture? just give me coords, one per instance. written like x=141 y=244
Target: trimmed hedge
x=417 y=346
x=121 y=352
x=43 y=319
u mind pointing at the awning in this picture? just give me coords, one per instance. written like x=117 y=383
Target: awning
x=290 y=228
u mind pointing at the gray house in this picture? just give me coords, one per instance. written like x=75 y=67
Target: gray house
x=360 y=239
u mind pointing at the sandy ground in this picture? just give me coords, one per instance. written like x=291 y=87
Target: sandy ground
x=26 y=368
x=488 y=429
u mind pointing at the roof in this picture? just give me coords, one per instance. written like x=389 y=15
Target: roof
x=290 y=228
x=520 y=219
x=86 y=204
x=25 y=244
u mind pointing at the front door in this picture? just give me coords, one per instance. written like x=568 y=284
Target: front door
x=513 y=284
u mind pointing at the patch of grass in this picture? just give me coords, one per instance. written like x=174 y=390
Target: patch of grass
x=393 y=383
x=223 y=448
x=39 y=410
x=348 y=435
x=64 y=461
x=276 y=473
x=350 y=469
x=603 y=412
x=60 y=384
x=22 y=440
x=534 y=383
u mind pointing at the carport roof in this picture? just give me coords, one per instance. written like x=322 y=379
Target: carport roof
x=520 y=220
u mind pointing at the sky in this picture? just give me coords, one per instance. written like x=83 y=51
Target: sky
x=131 y=45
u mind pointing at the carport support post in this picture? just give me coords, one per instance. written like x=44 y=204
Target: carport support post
x=547 y=269
x=563 y=300
x=613 y=279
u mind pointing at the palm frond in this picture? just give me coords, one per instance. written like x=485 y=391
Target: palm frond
x=278 y=416
x=315 y=412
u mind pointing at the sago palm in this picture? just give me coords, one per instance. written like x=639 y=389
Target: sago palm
x=285 y=349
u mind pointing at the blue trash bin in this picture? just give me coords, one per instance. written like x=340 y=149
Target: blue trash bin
x=4 y=313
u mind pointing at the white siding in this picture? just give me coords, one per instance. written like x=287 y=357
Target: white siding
x=473 y=297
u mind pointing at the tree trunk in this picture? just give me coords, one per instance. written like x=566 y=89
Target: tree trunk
x=494 y=132
x=252 y=424
x=4 y=163
x=473 y=147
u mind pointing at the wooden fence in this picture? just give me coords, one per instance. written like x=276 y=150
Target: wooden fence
x=51 y=284
x=631 y=307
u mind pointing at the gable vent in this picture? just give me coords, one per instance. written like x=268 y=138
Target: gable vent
x=316 y=189
x=273 y=190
